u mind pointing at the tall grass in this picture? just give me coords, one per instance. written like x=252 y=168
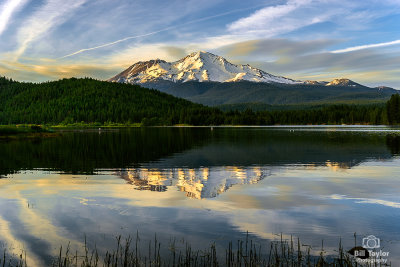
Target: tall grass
x=130 y=252
x=10 y=261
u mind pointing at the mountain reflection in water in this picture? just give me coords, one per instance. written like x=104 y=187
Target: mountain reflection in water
x=196 y=183
x=315 y=183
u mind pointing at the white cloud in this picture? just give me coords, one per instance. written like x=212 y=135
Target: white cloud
x=265 y=17
x=282 y=19
x=340 y=15
x=360 y=47
x=52 y=14
x=7 y=10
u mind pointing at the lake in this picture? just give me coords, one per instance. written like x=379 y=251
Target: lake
x=201 y=186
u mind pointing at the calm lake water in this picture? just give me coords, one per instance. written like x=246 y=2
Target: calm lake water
x=201 y=185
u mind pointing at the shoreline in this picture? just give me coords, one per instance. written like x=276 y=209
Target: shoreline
x=61 y=127
x=25 y=131
x=48 y=128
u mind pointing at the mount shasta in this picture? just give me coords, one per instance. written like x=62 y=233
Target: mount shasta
x=209 y=79
x=198 y=66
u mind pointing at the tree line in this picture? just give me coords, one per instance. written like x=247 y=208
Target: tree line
x=88 y=100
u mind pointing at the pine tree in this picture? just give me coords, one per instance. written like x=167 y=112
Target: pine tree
x=393 y=109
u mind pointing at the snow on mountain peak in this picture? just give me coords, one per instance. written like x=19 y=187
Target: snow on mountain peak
x=198 y=66
x=343 y=82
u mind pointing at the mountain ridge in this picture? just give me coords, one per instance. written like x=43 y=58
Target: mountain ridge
x=216 y=93
x=208 y=79
x=198 y=66
x=202 y=66
x=343 y=82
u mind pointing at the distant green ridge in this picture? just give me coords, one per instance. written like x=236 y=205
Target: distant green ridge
x=215 y=93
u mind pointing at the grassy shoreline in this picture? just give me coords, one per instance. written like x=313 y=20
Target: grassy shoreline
x=134 y=251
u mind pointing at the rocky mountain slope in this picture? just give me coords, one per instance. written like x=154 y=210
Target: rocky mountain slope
x=199 y=66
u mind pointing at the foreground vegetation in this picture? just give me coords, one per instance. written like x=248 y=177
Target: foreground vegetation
x=129 y=252
x=6 y=130
x=88 y=102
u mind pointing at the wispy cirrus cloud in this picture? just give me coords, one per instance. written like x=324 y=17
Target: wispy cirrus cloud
x=114 y=42
x=295 y=38
x=172 y=27
x=51 y=14
x=293 y=16
x=361 y=47
x=263 y=18
x=7 y=9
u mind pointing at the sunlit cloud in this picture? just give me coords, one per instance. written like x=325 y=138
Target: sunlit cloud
x=276 y=46
x=175 y=52
x=50 y=70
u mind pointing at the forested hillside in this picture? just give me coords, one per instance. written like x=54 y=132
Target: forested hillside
x=87 y=100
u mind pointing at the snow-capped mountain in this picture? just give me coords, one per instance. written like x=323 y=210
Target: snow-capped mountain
x=343 y=82
x=199 y=66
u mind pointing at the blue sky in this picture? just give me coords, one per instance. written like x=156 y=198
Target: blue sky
x=303 y=39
